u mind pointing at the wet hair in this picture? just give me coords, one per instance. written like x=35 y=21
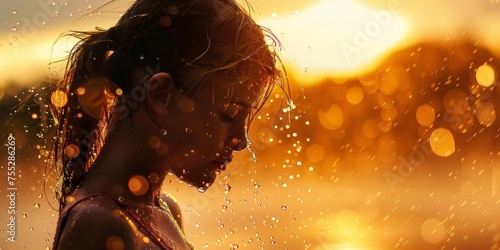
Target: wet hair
x=191 y=40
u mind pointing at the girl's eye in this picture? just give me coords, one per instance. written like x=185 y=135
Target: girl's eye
x=229 y=113
x=226 y=117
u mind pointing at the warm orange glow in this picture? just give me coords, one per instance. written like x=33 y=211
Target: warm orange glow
x=485 y=113
x=354 y=95
x=332 y=119
x=455 y=102
x=433 y=230
x=59 y=98
x=72 y=151
x=138 y=185
x=442 y=142
x=425 y=115
x=338 y=37
x=485 y=75
x=392 y=141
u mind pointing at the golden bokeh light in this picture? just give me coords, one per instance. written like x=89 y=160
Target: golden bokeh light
x=72 y=151
x=485 y=75
x=425 y=115
x=371 y=128
x=442 y=142
x=433 y=230
x=354 y=95
x=332 y=119
x=389 y=113
x=138 y=185
x=315 y=153
x=485 y=113
x=154 y=142
x=59 y=98
x=455 y=102
x=115 y=243
x=390 y=83
x=80 y=91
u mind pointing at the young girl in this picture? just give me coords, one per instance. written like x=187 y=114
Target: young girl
x=172 y=87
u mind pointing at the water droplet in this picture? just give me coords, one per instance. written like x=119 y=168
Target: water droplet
x=189 y=130
x=283 y=208
x=121 y=199
x=25 y=215
x=227 y=188
x=37 y=205
x=14 y=29
x=202 y=189
x=14 y=12
x=224 y=207
x=163 y=131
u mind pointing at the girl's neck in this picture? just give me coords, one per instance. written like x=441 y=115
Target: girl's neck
x=127 y=190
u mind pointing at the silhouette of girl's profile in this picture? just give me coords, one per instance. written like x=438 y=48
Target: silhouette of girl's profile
x=171 y=88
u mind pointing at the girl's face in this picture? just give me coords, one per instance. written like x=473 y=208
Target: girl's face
x=203 y=131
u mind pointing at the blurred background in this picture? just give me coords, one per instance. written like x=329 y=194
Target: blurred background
x=392 y=140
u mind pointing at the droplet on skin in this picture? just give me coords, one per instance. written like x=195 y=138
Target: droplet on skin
x=227 y=188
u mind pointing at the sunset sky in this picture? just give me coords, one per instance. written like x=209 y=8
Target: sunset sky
x=321 y=37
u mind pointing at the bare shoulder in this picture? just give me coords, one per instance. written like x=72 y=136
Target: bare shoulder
x=173 y=206
x=97 y=224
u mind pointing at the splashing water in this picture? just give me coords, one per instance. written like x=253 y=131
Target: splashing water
x=253 y=156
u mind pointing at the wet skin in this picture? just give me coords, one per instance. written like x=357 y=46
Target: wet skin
x=203 y=130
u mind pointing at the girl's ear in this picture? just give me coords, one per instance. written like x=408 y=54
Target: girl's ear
x=160 y=89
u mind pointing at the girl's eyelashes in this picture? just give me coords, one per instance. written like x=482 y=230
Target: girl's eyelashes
x=229 y=114
x=226 y=117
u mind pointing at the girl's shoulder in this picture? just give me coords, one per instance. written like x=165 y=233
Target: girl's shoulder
x=95 y=222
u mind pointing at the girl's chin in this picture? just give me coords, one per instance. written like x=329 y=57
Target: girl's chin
x=201 y=180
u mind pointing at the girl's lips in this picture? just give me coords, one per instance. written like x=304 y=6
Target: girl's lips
x=221 y=166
